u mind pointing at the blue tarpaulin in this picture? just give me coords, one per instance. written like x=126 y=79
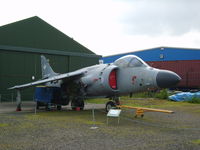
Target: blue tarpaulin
x=184 y=96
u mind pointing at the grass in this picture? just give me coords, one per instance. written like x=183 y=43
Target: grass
x=148 y=99
x=3 y=125
x=97 y=101
x=30 y=131
x=83 y=117
x=144 y=102
x=196 y=141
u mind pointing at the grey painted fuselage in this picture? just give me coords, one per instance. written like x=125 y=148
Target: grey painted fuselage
x=132 y=75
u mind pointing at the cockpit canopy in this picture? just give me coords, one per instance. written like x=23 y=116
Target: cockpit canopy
x=130 y=61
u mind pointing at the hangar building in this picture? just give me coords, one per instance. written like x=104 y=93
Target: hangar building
x=185 y=62
x=22 y=43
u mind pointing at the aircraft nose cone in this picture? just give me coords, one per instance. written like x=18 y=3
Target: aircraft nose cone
x=166 y=79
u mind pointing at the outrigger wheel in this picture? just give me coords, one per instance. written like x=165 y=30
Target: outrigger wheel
x=110 y=105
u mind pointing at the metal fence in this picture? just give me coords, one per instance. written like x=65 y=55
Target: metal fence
x=11 y=97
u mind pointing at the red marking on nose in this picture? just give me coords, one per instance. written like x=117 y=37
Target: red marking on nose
x=95 y=79
x=133 y=79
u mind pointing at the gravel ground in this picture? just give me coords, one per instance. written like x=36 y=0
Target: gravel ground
x=71 y=130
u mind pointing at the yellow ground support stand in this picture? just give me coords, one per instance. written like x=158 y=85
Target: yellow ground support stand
x=140 y=110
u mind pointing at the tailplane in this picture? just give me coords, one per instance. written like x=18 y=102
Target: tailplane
x=47 y=71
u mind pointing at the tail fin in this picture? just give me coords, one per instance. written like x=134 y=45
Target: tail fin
x=47 y=71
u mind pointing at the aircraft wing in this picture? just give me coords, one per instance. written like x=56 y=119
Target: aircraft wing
x=54 y=78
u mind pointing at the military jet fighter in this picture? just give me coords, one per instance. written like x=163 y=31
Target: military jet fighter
x=127 y=75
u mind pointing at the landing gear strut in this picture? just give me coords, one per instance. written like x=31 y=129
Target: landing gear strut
x=18 y=98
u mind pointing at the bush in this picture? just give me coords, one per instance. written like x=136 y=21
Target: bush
x=162 y=94
x=195 y=100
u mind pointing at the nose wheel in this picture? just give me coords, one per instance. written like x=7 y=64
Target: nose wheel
x=110 y=105
x=113 y=103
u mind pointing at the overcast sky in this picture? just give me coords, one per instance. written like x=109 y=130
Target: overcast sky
x=109 y=27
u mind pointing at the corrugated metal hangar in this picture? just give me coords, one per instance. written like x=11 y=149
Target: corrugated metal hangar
x=22 y=43
x=185 y=62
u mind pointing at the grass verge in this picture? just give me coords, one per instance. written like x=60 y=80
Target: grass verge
x=196 y=141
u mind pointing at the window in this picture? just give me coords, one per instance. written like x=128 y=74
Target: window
x=162 y=48
x=161 y=56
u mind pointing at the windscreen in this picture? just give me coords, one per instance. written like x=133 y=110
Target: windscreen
x=130 y=61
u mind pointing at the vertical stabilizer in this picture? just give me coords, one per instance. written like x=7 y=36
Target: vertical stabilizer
x=47 y=71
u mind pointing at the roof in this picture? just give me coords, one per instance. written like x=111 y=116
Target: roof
x=160 y=54
x=36 y=33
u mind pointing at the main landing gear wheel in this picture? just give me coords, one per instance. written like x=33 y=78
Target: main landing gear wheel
x=77 y=103
x=59 y=107
x=110 y=105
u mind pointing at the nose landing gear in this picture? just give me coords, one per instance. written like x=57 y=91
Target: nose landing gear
x=112 y=104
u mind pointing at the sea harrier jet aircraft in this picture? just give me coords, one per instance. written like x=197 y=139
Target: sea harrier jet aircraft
x=127 y=75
